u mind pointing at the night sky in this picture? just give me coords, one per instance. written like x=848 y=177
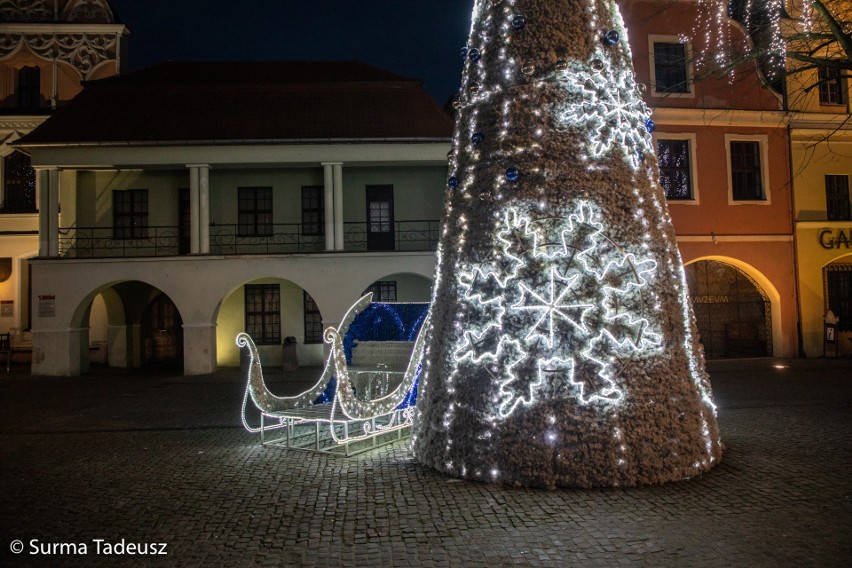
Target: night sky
x=415 y=38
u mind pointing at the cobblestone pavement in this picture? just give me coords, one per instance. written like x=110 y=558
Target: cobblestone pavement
x=159 y=458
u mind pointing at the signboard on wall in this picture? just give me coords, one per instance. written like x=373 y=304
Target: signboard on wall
x=46 y=306
x=836 y=238
x=7 y=308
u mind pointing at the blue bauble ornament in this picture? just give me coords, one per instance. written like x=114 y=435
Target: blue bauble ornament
x=512 y=174
x=463 y=53
x=518 y=22
x=650 y=125
x=477 y=138
x=610 y=37
x=453 y=182
x=474 y=54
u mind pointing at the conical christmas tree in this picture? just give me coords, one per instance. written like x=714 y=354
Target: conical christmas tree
x=562 y=349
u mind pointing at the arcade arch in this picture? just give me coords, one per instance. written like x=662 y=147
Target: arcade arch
x=737 y=308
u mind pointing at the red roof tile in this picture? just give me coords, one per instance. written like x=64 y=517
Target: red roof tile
x=247 y=102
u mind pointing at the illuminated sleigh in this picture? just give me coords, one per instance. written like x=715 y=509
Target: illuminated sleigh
x=351 y=408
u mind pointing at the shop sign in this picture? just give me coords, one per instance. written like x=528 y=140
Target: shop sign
x=7 y=308
x=835 y=238
x=710 y=300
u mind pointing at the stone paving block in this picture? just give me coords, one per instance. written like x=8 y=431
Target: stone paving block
x=97 y=457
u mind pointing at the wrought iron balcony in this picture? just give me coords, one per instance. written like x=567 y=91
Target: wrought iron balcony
x=278 y=238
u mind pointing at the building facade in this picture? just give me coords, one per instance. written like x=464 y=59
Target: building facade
x=724 y=162
x=207 y=199
x=47 y=49
x=821 y=152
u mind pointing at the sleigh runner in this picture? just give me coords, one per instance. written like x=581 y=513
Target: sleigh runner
x=352 y=407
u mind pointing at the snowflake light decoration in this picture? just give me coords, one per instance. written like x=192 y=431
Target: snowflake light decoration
x=606 y=104
x=572 y=297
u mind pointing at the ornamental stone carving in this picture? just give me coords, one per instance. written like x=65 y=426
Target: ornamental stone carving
x=84 y=52
x=26 y=10
x=74 y=11
x=88 y=11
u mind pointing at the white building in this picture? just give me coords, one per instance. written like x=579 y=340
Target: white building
x=201 y=199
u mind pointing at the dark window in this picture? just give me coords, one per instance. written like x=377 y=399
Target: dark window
x=746 y=179
x=380 y=221
x=130 y=214
x=255 y=211
x=383 y=291
x=19 y=193
x=837 y=197
x=670 y=68
x=29 y=88
x=830 y=91
x=313 y=210
x=313 y=321
x=838 y=283
x=263 y=313
x=675 y=172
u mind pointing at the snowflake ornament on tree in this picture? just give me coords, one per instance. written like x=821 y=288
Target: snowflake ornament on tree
x=603 y=102
x=575 y=292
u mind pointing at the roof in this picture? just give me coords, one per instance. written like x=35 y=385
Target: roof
x=246 y=102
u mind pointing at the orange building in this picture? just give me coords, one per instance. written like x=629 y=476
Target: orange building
x=724 y=159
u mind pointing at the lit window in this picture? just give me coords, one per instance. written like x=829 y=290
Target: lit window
x=263 y=313
x=675 y=169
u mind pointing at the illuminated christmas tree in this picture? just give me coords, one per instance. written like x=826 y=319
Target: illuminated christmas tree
x=562 y=348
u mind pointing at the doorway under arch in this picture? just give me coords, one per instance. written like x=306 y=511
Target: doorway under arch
x=134 y=324
x=733 y=312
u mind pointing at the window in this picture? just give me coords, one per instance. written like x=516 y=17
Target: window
x=675 y=161
x=838 y=284
x=19 y=192
x=313 y=321
x=837 y=197
x=29 y=88
x=383 y=291
x=830 y=91
x=670 y=69
x=263 y=313
x=254 y=211
x=130 y=214
x=313 y=210
x=747 y=177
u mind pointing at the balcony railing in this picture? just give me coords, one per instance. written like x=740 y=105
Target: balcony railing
x=98 y=242
x=282 y=238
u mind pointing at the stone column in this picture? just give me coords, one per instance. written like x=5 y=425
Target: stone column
x=194 y=205
x=338 y=207
x=204 y=209
x=42 y=197
x=53 y=213
x=199 y=348
x=60 y=352
x=328 y=204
